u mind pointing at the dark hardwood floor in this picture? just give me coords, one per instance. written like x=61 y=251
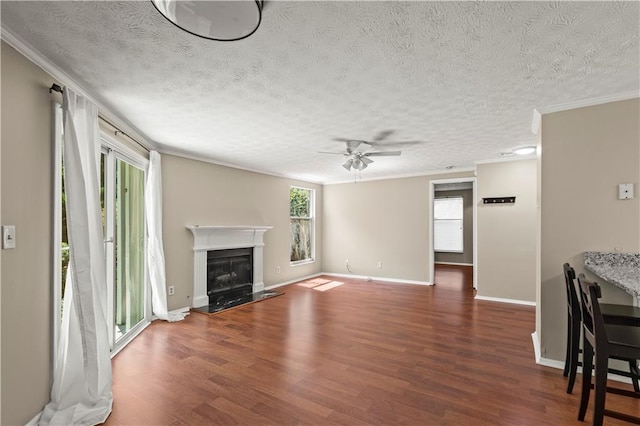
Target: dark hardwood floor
x=356 y=353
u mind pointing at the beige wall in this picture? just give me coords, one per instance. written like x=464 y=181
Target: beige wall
x=507 y=233
x=379 y=221
x=26 y=203
x=586 y=153
x=200 y=193
x=467 y=228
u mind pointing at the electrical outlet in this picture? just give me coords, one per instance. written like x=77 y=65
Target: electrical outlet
x=172 y=290
x=8 y=237
x=277 y=269
x=379 y=264
x=347 y=262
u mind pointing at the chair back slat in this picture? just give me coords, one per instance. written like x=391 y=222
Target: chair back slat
x=592 y=318
x=570 y=286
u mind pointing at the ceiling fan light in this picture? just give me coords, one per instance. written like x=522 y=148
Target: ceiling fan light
x=213 y=20
x=347 y=164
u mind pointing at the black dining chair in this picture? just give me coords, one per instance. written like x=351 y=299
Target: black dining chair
x=574 y=322
x=612 y=313
x=605 y=341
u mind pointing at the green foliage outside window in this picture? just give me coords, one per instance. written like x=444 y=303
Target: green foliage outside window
x=301 y=223
x=300 y=202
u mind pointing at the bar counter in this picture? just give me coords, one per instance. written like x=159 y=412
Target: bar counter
x=620 y=269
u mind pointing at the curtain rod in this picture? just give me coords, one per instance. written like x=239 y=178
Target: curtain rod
x=56 y=88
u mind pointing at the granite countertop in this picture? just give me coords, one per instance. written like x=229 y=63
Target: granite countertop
x=621 y=269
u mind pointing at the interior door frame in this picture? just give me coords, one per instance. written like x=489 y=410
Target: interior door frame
x=432 y=185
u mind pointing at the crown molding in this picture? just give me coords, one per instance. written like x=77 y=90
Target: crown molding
x=514 y=157
x=65 y=79
x=536 y=120
x=588 y=102
x=199 y=157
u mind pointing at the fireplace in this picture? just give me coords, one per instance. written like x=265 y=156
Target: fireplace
x=207 y=239
x=228 y=272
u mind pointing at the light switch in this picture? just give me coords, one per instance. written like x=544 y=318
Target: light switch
x=8 y=236
x=625 y=191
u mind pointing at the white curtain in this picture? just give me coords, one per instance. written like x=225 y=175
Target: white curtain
x=81 y=391
x=155 y=249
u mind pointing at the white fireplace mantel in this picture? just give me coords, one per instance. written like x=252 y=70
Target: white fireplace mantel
x=207 y=238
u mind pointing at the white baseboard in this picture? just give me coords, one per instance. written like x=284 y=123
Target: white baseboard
x=453 y=263
x=308 y=277
x=553 y=363
x=385 y=279
x=559 y=365
x=501 y=300
x=357 y=277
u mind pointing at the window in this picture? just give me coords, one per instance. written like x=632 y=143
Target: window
x=301 y=207
x=447 y=224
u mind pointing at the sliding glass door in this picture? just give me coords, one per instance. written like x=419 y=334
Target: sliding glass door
x=124 y=229
x=129 y=248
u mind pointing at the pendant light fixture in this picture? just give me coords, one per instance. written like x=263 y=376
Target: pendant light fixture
x=213 y=19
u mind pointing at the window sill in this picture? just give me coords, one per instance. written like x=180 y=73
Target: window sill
x=302 y=262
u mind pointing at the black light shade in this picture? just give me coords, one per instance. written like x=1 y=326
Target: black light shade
x=212 y=19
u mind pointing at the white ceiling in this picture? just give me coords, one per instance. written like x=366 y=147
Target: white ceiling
x=461 y=77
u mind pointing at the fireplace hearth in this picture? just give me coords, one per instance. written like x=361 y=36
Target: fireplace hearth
x=232 y=300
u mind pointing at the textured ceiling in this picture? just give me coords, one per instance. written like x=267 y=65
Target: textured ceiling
x=462 y=78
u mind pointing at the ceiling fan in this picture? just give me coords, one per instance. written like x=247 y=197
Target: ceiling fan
x=357 y=154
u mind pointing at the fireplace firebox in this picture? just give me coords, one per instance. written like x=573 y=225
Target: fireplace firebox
x=229 y=273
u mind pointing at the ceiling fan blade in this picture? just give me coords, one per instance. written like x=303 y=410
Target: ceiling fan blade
x=383 y=134
x=366 y=160
x=383 y=154
x=353 y=144
x=330 y=152
x=347 y=164
x=396 y=144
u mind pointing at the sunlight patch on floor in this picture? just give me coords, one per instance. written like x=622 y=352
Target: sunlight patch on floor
x=328 y=286
x=314 y=282
x=320 y=284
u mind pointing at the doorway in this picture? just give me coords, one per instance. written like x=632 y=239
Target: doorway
x=453 y=225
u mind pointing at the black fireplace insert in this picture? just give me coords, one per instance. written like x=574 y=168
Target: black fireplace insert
x=229 y=273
